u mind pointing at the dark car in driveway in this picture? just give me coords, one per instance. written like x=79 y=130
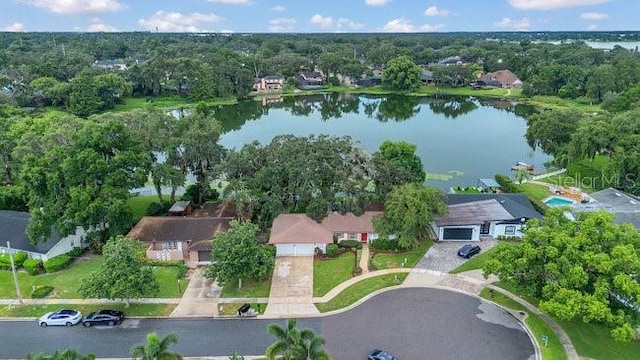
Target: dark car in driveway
x=378 y=354
x=103 y=317
x=468 y=251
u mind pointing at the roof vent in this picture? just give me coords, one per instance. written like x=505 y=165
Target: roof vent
x=617 y=194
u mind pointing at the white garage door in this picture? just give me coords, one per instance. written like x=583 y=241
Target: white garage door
x=294 y=249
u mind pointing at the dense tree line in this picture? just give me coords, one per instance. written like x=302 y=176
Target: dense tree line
x=60 y=66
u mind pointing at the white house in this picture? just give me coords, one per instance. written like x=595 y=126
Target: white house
x=14 y=229
x=299 y=235
x=474 y=216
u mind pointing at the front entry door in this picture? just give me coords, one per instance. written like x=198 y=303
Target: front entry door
x=363 y=237
x=484 y=229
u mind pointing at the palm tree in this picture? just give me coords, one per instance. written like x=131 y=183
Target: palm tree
x=156 y=348
x=69 y=354
x=295 y=344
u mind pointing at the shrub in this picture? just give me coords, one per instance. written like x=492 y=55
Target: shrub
x=332 y=250
x=57 y=263
x=356 y=271
x=350 y=244
x=75 y=252
x=19 y=258
x=158 y=208
x=192 y=193
x=41 y=291
x=5 y=262
x=13 y=198
x=33 y=266
x=506 y=183
x=385 y=245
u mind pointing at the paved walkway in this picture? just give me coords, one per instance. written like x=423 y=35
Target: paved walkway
x=199 y=299
x=364 y=258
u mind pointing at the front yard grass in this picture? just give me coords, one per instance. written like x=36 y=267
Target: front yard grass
x=554 y=349
x=249 y=289
x=476 y=262
x=228 y=309
x=329 y=273
x=395 y=260
x=35 y=311
x=66 y=283
x=359 y=290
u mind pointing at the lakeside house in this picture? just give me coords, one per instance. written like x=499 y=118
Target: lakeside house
x=269 y=83
x=500 y=79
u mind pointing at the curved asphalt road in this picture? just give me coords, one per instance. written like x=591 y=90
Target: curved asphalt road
x=412 y=323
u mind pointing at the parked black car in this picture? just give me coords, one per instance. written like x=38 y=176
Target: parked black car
x=468 y=251
x=103 y=317
x=378 y=354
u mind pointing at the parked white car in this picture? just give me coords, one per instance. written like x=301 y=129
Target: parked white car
x=61 y=317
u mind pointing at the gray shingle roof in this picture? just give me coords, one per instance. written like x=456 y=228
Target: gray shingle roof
x=14 y=228
x=626 y=207
x=518 y=205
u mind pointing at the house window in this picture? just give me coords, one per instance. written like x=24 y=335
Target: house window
x=170 y=245
x=510 y=230
x=353 y=236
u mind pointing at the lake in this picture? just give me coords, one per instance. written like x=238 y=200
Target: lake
x=458 y=140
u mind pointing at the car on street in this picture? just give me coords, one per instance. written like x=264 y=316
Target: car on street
x=378 y=354
x=66 y=317
x=103 y=317
x=468 y=251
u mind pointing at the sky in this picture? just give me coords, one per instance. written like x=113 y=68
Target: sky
x=326 y=16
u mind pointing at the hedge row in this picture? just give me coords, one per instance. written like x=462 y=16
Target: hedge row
x=18 y=260
x=33 y=266
x=350 y=244
x=385 y=245
x=332 y=250
x=57 y=263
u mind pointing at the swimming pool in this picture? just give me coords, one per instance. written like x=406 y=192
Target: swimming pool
x=558 y=201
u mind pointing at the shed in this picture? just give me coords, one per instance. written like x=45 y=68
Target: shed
x=180 y=208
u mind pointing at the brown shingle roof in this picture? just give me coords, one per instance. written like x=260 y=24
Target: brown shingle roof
x=348 y=222
x=298 y=229
x=193 y=229
x=505 y=77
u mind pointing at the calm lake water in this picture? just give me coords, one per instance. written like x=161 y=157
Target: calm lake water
x=458 y=140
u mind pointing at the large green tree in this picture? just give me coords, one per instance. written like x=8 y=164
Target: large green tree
x=409 y=211
x=79 y=173
x=236 y=254
x=156 y=348
x=295 y=344
x=396 y=163
x=584 y=269
x=122 y=274
x=297 y=174
x=401 y=74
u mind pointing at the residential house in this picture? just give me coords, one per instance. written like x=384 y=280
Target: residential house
x=624 y=206
x=14 y=229
x=370 y=81
x=311 y=79
x=426 y=77
x=452 y=60
x=299 y=235
x=269 y=83
x=179 y=238
x=474 y=216
x=501 y=79
x=111 y=64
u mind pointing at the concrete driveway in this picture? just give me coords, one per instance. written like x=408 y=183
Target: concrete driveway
x=292 y=287
x=443 y=256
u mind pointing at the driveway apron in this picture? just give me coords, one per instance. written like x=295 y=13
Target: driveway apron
x=292 y=287
x=199 y=298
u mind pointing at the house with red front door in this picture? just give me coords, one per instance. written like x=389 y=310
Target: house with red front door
x=299 y=235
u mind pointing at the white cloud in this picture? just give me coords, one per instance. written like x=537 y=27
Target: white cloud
x=77 y=6
x=592 y=27
x=178 y=22
x=226 y=31
x=232 y=2
x=552 y=4
x=404 y=25
x=98 y=26
x=377 y=2
x=594 y=16
x=513 y=24
x=282 y=24
x=434 y=11
x=15 y=27
x=321 y=21
x=344 y=22
x=279 y=8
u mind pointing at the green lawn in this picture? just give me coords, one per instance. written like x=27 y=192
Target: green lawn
x=145 y=310
x=535 y=191
x=228 y=309
x=166 y=102
x=359 y=290
x=476 y=262
x=250 y=289
x=590 y=340
x=465 y=190
x=329 y=273
x=394 y=260
x=554 y=102
x=554 y=349
x=139 y=205
x=66 y=282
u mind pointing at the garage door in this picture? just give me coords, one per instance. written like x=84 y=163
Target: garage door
x=458 y=234
x=294 y=249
